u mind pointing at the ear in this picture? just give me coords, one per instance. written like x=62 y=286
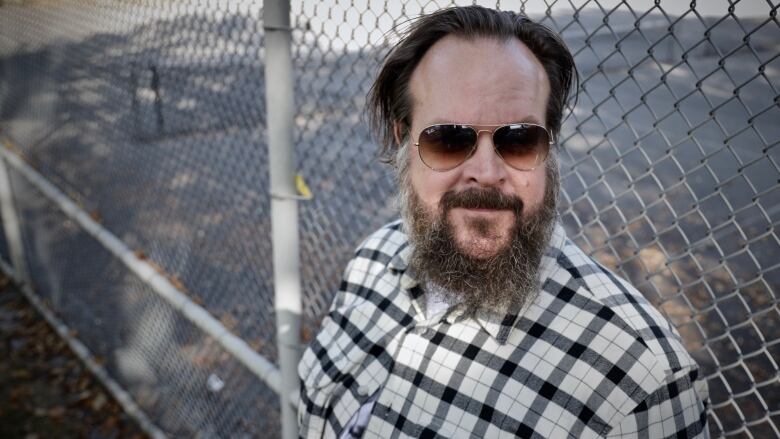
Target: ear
x=398 y=132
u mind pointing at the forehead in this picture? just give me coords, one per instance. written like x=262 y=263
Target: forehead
x=480 y=81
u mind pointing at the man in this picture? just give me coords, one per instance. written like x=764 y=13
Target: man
x=475 y=316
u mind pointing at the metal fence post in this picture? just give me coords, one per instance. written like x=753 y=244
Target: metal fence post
x=11 y=227
x=284 y=203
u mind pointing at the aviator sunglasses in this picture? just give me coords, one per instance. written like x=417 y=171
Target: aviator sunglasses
x=523 y=146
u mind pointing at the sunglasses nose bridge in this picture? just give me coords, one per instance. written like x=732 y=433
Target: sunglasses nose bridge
x=491 y=132
x=484 y=131
x=492 y=148
x=479 y=132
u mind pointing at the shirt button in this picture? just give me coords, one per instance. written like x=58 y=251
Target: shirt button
x=362 y=390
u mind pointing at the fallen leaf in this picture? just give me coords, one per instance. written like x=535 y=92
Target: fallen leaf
x=18 y=393
x=99 y=401
x=177 y=283
x=306 y=334
x=21 y=373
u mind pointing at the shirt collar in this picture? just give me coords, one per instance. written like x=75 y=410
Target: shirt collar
x=400 y=261
x=498 y=326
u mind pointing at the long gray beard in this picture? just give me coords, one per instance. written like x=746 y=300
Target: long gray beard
x=505 y=281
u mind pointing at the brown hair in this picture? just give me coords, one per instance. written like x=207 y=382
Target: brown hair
x=389 y=101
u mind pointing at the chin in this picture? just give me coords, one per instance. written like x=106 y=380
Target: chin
x=477 y=245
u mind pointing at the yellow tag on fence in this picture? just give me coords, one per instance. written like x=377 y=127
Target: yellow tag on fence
x=302 y=187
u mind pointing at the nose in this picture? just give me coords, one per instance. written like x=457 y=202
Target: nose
x=485 y=167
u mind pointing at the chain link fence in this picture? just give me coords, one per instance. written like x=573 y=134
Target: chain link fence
x=150 y=115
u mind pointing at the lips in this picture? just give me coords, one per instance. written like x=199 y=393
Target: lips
x=482 y=210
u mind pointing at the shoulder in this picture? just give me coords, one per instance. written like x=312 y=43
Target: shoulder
x=665 y=389
x=369 y=275
x=368 y=304
x=609 y=337
x=383 y=244
x=628 y=309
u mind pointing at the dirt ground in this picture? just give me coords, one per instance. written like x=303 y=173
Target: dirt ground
x=45 y=391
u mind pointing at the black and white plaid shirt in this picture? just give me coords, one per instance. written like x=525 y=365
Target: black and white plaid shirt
x=589 y=357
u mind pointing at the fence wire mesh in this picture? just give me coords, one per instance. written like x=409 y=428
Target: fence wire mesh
x=151 y=115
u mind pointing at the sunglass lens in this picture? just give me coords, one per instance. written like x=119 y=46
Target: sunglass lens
x=444 y=147
x=522 y=146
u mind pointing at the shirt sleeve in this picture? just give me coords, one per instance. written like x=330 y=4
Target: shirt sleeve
x=676 y=409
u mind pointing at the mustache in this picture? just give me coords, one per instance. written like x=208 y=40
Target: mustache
x=481 y=198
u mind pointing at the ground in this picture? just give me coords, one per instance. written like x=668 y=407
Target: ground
x=45 y=391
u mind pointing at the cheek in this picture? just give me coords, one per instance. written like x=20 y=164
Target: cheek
x=429 y=185
x=530 y=186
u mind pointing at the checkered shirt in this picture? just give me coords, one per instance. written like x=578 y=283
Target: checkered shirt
x=590 y=357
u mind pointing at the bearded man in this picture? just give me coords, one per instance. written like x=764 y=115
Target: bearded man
x=475 y=316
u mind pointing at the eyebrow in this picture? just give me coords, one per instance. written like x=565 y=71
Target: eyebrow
x=527 y=119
